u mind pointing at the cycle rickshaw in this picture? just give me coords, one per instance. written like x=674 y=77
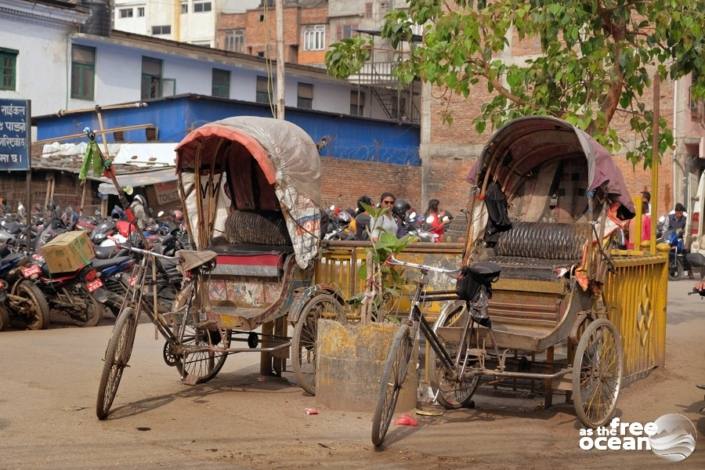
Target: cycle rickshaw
x=251 y=189
x=546 y=202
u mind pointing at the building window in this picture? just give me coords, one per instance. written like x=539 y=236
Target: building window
x=357 y=103
x=347 y=31
x=201 y=7
x=221 y=83
x=235 y=40
x=368 y=10
x=151 y=78
x=8 y=68
x=265 y=90
x=304 y=98
x=315 y=37
x=162 y=29
x=126 y=12
x=82 y=72
x=140 y=11
x=184 y=8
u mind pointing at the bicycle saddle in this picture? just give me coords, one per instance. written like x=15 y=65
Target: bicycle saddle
x=486 y=272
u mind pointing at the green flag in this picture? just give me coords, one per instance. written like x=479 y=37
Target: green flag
x=91 y=161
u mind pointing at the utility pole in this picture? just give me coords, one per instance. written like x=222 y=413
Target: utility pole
x=655 y=161
x=279 y=6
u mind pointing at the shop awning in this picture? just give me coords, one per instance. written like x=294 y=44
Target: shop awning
x=137 y=180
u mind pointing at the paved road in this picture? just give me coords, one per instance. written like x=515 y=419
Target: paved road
x=48 y=383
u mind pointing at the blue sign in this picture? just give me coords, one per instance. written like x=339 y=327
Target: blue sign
x=15 y=131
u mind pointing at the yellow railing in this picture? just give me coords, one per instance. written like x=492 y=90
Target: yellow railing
x=636 y=294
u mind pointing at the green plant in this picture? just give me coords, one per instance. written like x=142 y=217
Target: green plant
x=382 y=282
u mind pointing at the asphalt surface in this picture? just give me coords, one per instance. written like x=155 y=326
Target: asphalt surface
x=49 y=380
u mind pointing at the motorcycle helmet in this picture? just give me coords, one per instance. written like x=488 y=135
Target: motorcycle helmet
x=344 y=217
x=139 y=198
x=400 y=208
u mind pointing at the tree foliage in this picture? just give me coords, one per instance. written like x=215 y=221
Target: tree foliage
x=598 y=58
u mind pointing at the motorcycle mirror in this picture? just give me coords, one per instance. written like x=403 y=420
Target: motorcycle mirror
x=412 y=216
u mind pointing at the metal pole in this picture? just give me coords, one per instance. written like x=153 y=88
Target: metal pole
x=655 y=162
x=279 y=5
x=28 y=211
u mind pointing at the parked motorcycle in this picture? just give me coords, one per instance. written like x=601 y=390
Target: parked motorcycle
x=80 y=294
x=677 y=259
x=22 y=301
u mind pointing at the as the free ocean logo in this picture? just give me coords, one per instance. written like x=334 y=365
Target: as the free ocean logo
x=670 y=436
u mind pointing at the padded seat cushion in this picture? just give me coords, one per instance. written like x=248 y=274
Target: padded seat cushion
x=547 y=241
x=250 y=260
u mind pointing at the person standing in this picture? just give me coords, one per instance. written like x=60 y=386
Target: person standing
x=362 y=219
x=386 y=222
x=437 y=219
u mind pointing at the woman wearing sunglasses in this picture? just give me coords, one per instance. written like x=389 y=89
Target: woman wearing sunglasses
x=386 y=222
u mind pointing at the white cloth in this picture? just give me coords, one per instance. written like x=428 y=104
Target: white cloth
x=386 y=223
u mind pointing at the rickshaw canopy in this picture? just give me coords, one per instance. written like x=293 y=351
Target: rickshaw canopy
x=525 y=144
x=287 y=157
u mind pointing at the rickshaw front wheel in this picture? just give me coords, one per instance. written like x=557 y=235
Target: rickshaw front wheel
x=597 y=373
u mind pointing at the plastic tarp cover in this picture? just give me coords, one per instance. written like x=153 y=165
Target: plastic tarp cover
x=289 y=159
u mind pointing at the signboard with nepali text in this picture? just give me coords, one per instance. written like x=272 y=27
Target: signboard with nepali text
x=15 y=131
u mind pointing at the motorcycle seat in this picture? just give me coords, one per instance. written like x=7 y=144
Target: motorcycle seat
x=101 y=264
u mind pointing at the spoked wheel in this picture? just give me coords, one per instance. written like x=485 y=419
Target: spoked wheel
x=195 y=354
x=675 y=270
x=453 y=392
x=33 y=305
x=198 y=361
x=395 y=369
x=597 y=373
x=117 y=356
x=303 y=344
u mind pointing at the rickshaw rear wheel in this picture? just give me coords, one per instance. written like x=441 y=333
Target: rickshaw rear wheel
x=451 y=393
x=395 y=369
x=197 y=367
x=117 y=355
x=303 y=344
x=597 y=373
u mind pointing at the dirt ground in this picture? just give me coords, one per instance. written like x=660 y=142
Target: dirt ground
x=49 y=380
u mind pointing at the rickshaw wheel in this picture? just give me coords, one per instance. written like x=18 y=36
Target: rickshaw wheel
x=597 y=373
x=117 y=355
x=303 y=344
x=393 y=377
x=197 y=367
x=450 y=393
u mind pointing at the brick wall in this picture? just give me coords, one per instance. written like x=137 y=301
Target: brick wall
x=344 y=181
x=260 y=31
x=67 y=191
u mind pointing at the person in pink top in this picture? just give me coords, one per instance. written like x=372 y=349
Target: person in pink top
x=437 y=219
x=645 y=219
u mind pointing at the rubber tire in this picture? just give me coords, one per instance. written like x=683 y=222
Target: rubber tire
x=303 y=379
x=577 y=366
x=37 y=297
x=677 y=275
x=450 y=402
x=180 y=299
x=380 y=421
x=127 y=322
x=97 y=311
x=4 y=318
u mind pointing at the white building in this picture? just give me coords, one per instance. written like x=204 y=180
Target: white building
x=127 y=67
x=35 y=51
x=191 y=21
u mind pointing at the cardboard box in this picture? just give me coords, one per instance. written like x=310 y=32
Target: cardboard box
x=68 y=252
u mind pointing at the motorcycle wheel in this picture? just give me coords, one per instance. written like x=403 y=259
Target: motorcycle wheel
x=4 y=318
x=675 y=271
x=38 y=304
x=94 y=312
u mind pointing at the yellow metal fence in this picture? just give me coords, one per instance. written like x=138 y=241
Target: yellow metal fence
x=635 y=293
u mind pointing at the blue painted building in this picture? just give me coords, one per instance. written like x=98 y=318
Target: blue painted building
x=346 y=137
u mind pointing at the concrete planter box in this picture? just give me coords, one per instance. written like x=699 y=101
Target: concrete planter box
x=350 y=361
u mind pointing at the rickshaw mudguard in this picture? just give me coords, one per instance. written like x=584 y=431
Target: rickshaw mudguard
x=303 y=296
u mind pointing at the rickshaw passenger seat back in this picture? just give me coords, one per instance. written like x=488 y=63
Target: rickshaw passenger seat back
x=250 y=260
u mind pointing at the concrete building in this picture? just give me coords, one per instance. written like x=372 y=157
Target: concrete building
x=35 y=50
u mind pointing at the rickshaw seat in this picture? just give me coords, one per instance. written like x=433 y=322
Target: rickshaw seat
x=533 y=250
x=250 y=260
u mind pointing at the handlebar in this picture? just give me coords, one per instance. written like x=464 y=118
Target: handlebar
x=146 y=252
x=423 y=267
